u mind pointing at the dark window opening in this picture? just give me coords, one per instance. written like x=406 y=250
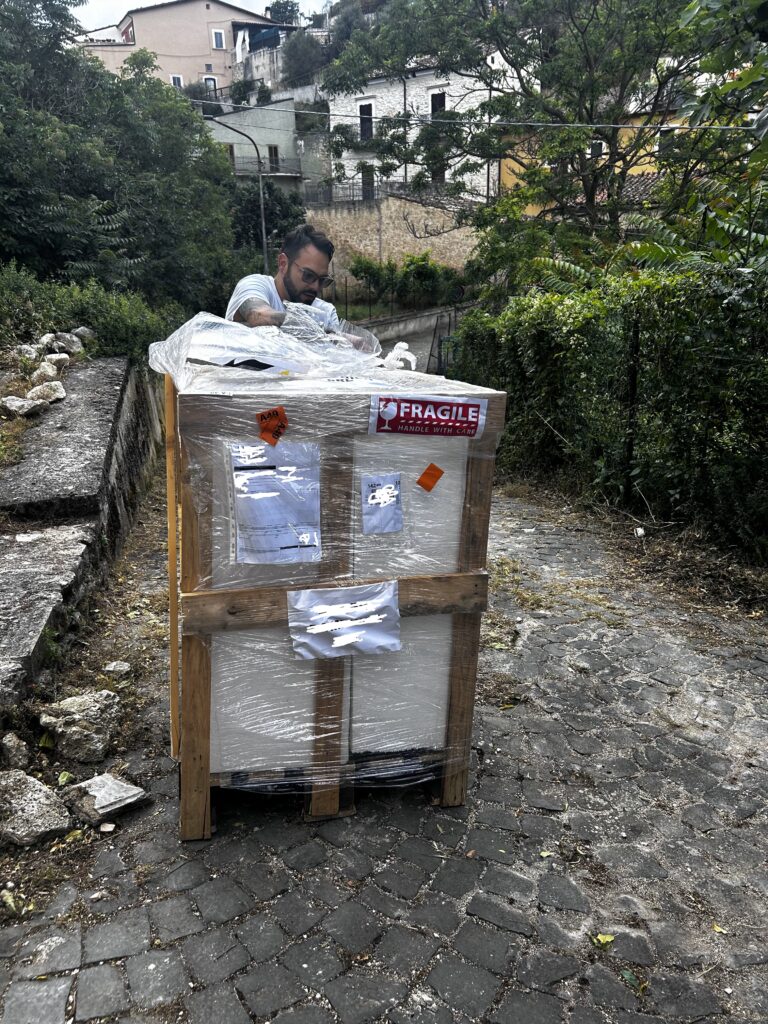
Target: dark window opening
x=666 y=138
x=368 y=183
x=366 y=121
x=274 y=159
x=437 y=103
x=596 y=149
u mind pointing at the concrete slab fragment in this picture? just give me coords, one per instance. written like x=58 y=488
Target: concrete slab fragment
x=64 y=453
x=102 y=797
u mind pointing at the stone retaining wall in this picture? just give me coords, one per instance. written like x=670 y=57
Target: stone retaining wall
x=68 y=504
x=379 y=230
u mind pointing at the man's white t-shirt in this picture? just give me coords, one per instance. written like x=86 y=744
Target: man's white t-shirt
x=261 y=286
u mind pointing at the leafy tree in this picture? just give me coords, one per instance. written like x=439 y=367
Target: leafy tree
x=549 y=67
x=303 y=56
x=282 y=212
x=285 y=12
x=200 y=92
x=101 y=176
x=349 y=20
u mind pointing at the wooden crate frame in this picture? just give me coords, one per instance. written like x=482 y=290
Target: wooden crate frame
x=199 y=613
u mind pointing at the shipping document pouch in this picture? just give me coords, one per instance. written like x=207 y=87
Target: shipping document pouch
x=276 y=498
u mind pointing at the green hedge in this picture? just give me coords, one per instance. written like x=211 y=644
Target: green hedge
x=418 y=283
x=651 y=390
x=123 y=322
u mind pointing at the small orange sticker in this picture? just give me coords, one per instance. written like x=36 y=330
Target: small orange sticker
x=273 y=423
x=429 y=477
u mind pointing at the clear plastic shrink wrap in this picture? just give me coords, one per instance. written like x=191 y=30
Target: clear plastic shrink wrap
x=333 y=512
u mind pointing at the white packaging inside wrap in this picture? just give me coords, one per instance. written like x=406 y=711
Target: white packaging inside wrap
x=276 y=492
x=336 y=622
x=382 y=506
x=263 y=703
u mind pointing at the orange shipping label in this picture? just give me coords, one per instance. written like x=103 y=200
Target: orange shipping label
x=430 y=476
x=273 y=423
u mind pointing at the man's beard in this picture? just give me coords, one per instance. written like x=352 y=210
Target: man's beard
x=293 y=293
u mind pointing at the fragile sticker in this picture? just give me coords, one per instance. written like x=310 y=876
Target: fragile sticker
x=430 y=476
x=382 y=504
x=273 y=423
x=433 y=415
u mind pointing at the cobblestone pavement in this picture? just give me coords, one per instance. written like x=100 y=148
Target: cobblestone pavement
x=618 y=787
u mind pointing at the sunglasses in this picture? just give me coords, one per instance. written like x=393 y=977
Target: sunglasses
x=310 y=277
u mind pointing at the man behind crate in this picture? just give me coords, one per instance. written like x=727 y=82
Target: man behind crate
x=302 y=273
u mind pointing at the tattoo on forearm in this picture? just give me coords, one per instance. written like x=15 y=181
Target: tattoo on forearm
x=256 y=313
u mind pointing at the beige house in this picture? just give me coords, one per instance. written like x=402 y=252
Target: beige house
x=194 y=40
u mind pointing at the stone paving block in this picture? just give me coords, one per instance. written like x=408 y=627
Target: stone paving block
x=282 y=836
x=304 y=1015
x=424 y=1015
x=383 y=903
x=606 y=989
x=263 y=881
x=403 y=951
x=543 y=798
x=424 y=852
x=220 y=900
x=625 y=860
x=358 y=998
x=351 y=863
x=435 y=914
x=327 y=888
x=458 y=876
x=552 y=933
x=10 y=937
x=188 y=874
x=502 y=915
x=216 y=1005
x=268 y=989
x=107 y=864
x=562 y=893
x=305 y=856
x=262 y=937
x=499 y=817
x=630 y=1017
x=674 y=996
x=35 y=1002
x=163 y=847
x=492 y=845
x=463 y=986
x=174 y=918
x=444 y=830
x=353 y=926
x=544 y=970
x=101 y=992
x=49 y=952
x=297 y=914
x=214 y=955
x=402 y=881
x=531 y=1007
x=485 y=946
x=118 y=893
x=589 y=1015
x=505 y=882
x=125 y=935
x=541 y=827
x=631 y=946
x=314 y=961
x=156 y=978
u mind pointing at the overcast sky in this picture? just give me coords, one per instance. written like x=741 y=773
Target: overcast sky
x=99 y=13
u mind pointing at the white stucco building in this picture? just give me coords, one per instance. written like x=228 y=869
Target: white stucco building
x=426 y=95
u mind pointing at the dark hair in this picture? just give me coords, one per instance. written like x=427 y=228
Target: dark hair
x=306 y=234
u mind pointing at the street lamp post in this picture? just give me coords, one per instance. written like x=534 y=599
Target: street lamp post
x=245 y=135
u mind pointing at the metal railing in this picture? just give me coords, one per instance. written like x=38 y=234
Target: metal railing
x=288 y=166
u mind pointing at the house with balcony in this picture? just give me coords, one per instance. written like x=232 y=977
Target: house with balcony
x=262 y=140
x=193 y=40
